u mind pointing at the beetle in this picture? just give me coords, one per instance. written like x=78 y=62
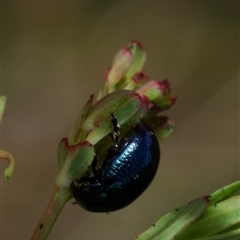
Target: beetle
x=126 y=171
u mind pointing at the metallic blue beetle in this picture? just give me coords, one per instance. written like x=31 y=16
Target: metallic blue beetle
x=127 y=170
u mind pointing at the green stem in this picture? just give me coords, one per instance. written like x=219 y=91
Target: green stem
x=50 y=215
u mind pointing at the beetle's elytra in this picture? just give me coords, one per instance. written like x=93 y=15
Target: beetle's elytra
x=127 y=170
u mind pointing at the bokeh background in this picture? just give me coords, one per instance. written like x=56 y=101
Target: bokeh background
x=54 y=55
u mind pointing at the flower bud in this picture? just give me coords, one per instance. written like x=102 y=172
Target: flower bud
x=138 y=51
x=121 y=64
x=158 y=95
x=127 y=63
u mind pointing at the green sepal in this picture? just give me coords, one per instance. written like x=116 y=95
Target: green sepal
x=174 y=223
x=78 y=158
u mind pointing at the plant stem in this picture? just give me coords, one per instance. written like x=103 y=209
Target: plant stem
x=51 y=213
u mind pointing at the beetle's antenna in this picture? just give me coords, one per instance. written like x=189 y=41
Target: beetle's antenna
x=116 y=132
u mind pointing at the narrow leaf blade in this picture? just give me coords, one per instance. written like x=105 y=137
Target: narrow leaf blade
x=172 y=224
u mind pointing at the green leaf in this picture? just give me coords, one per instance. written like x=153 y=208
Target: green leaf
x=172 y=224
x=225 y=192
x=78 y=158
x=126 y=105
x=216 y=219
x=232 y=235
x=81 y=159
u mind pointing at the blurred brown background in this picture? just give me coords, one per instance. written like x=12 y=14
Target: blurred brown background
x=54 y=55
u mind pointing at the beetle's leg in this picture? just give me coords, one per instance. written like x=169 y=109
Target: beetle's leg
x=116 y=132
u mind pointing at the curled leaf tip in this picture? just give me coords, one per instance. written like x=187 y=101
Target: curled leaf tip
x=8 y=172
